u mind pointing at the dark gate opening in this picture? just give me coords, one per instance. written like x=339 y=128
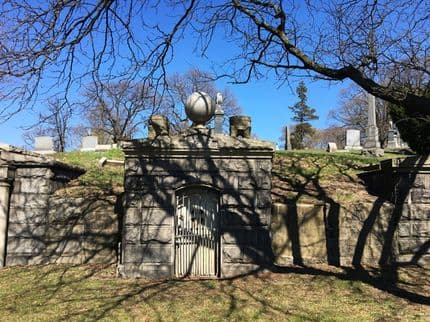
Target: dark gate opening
x=197 y=232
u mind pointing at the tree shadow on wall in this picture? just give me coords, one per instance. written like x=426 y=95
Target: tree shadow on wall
x=76 y=225
x=244 y=204
x=295 y=184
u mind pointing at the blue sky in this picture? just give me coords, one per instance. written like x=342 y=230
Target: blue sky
x=263 y=100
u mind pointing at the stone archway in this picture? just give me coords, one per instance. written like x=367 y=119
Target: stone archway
x=197 y=232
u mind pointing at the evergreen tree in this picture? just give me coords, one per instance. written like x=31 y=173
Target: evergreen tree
x=302 y=114
x=301 y=110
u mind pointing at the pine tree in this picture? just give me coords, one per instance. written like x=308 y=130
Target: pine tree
x=302 y=114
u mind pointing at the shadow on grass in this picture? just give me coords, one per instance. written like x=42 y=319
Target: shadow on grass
x=93 y=292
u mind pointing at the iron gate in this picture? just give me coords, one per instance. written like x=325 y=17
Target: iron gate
x=196 y=232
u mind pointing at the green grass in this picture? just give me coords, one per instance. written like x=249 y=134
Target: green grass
x=317 y=176
x=309 y=173
x=107 y=178
x=88 y=293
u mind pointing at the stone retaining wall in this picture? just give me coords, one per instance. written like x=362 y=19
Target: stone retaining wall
x=45 y=224
x=395 y=228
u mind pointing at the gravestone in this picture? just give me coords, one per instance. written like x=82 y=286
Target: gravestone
x=287 y=138
x=44 y=145
x=393 y=139
x=372 y=145
x=89 y=143
x=353 y=140
x=331 y=147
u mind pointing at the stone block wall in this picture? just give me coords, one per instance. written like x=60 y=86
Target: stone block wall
x=395 y=228
x=238 y=169
x=46 y=224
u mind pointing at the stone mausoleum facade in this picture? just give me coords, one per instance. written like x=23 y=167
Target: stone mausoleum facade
x=197 y=203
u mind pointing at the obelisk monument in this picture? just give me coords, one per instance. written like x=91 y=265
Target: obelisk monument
x=287 y=138
x=372 y=144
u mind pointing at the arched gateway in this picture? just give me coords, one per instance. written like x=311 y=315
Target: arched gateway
x=197 y=232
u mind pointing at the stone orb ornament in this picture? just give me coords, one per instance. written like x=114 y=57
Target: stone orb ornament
x=199 y=108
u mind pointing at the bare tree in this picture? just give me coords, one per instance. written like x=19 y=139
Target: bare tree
x=117 y=111
x=331 y=134
x=352 y=108
x=74 y=42
x=55 y=122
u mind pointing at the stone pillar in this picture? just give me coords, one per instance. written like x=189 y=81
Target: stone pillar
x=372 y=133
x=4 y=210
x=287 y=138
x=219 y=114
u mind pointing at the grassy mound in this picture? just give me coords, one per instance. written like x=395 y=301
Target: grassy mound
x=109 y=179
x=312 y=175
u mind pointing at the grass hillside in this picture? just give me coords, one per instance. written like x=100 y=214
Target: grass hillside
x=297 y=175
x=110 y=179
x=315 y=176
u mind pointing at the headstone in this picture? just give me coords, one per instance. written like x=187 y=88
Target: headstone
x=393 y=141
x=106 y=147
x=287 y=138
x=89 y=143
x=372 y=144
x=331 y=147
x=44 y=144
x=353 y=140
x=219 y=114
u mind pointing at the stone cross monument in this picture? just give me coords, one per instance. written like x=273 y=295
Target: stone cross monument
x=372 y=133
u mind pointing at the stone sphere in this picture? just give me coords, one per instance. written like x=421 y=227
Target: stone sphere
x=199 y=108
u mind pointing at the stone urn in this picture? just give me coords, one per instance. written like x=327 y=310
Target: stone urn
x=199 y=108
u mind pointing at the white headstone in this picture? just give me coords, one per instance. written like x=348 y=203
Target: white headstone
x=89 y=143
x=105 y=147
x=353 y=140
x=44 y=144
x=331 y=147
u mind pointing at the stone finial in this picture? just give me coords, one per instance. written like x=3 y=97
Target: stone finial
x=240 y=125
x=158 y=125
x=199 y=108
